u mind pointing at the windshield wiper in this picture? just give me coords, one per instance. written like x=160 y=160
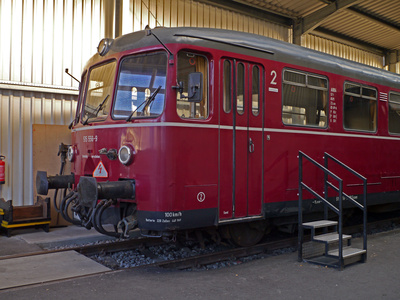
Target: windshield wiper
x=74 y=121
x=97 y=109
x=100 y=106
x=86 y=121
x=146 y=103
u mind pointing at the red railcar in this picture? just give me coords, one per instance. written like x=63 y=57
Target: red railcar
x=186 y=128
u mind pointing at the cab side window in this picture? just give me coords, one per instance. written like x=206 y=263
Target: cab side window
x=189 y=63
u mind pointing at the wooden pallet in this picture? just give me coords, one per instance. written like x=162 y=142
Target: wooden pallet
x=14 y=217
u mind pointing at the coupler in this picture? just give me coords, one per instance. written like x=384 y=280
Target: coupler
x=90 y=191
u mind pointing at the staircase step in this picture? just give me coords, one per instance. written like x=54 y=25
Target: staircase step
x=330 y=237
x=348 y=252
x=319 y=224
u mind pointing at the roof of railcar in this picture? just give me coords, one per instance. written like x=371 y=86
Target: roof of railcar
x=256 y=45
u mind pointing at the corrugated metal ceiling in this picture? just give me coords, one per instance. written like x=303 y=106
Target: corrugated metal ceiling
x=287 y=8
x=369 y=22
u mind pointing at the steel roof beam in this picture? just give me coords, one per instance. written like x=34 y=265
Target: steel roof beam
x=373 y=19
x=312 y=21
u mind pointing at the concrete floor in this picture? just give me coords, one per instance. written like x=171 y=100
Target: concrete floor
x=36 y=269
x=56 y=237
x=277 y=277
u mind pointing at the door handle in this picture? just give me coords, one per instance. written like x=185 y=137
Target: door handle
x=251 y=145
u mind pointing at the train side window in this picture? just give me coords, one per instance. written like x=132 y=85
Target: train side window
x=305 y=99
x=189 y=63
x=255 y=91
x=240 y=89
x=394 y=113
x=227 y=86
x=360 y=107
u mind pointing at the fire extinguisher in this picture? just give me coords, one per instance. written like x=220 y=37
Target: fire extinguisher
x=2 y=170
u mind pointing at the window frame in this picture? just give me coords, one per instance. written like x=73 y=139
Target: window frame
x=227 y=99
x=81 y=96
x=306 y=85
x=361 y=96
x=86 y=90
x=121 y=61
x=245 y=90
x=389 y=109
x=259 y=85
x=206 y=84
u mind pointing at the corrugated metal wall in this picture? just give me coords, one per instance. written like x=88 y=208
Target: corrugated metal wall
x=178 y=13
x=341 y=50
x=18 y=111
x=40 y=38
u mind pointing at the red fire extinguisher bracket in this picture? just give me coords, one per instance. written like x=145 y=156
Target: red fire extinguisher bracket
x=2 y=169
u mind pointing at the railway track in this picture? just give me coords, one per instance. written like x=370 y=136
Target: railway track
x=235 y=253
x=266 y=248
x=143 y=243
x=230 y=256
x=262 y=248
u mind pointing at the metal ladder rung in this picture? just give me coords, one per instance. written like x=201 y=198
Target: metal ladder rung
x=347 y=252
x=330 y=237
x=320 y=224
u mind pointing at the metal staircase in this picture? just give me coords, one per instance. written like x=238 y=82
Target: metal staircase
x=327 y=232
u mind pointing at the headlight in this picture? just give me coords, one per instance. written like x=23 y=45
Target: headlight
x=104 y=46
x=125 y=155
x=71 y=153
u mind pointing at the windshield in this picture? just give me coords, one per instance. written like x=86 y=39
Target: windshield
x=141 y=86
x=99 y=90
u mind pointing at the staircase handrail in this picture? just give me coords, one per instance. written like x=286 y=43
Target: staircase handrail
x=325 y=201
x=327 y=156
x=327 y=204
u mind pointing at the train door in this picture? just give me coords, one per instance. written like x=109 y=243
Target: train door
x=241 y=139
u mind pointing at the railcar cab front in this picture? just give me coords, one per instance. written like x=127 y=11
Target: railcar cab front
x=124 y=150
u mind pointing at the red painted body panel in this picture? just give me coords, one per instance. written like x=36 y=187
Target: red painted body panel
x=177 y=160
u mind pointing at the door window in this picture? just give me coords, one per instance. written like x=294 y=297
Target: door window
x=227 y=82
x=255 y=91
x=240 y=89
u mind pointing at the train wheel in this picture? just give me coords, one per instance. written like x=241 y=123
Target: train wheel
x=247 y=234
